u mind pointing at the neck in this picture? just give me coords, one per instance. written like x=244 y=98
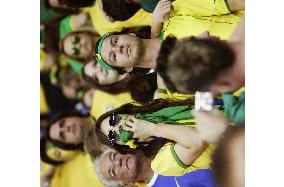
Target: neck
x=146 y=172
x=152 y=48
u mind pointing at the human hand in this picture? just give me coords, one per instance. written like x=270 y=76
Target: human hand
x=162 y=11
x=210 y=125
x=141 y=129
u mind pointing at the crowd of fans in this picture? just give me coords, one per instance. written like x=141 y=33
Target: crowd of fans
x=118 y=80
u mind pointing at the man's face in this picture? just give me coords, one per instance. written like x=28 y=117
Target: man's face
x=79 y=45
x=101 y=75
x=120 y=167
x=125 y=50
x=67 y=130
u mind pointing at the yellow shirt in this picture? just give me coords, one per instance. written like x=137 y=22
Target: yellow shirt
x=77 y=172
x=186 y=21
x=103 y=102
x=167 y=163
x=102 y=25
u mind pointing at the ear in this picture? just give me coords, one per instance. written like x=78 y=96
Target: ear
x=133 y=34
x=222 y=87
x=128 y=70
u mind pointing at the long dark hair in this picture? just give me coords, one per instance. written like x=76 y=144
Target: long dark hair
x=59 y=144
x=149 y=149
x=44 y=156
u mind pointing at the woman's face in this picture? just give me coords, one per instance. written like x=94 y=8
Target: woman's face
x=115 y=123
x=79 y=45
x=101 y=75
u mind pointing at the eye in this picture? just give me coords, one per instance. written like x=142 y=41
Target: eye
x=61 y=123
x=75 y=51
x=114 y=57
x=75 y=39
x=62 y=136
x=112 y=172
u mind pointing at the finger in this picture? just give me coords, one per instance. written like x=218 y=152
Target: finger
x=165 y=5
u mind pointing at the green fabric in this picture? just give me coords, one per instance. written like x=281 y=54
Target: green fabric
x=124 y=135
x=169 y=115
x=46 y=13
x=65 y=26
x=99 y=57
x=75 y=65
x=149 y=5
x=234 y=107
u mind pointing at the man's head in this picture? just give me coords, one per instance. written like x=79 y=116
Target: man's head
x=197 y=64
x=68 y=130
x=120 y=10
x=228 y=162
x=79 y=45
x=121 y=51
x=115 y=169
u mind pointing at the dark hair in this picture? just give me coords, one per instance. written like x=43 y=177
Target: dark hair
x=120 y=10
x=141 y=32
x=149 y=149
x=65 y=11
x=60 y=144
x=61 y=44
x=43 y=154
x=194 y=63
x=77 y=3
x=222 y=158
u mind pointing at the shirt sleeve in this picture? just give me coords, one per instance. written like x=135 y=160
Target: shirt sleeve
x=167 y=163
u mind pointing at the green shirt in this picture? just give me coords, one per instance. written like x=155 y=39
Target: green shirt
x=235 y=107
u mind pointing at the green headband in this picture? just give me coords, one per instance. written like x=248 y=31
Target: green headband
x=99 y=57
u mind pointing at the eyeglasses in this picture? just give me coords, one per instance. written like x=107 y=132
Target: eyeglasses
x=75 y=40
x=113 y=121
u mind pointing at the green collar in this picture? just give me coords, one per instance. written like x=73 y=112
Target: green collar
x=99 y=57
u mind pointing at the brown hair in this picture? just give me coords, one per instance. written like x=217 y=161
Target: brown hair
x=193 y=64
x=150 y=148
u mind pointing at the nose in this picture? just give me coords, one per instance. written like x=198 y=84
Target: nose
x=118 y=162
x=117 y=48
x=66 y=128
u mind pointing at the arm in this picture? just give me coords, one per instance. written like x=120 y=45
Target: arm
x=189 y=144
x=82 y=21
x=239 y=33
x=159 y=16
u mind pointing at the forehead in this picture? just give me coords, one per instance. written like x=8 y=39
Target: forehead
x=105 y=165
x=105 y=125
x=106 y=48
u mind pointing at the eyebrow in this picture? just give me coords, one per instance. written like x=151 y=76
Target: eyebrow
x=109 y=172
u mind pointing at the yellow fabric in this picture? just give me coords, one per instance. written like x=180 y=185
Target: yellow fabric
x=42 y=58
x=165 y=164
x=185 y=22
x=72 y=23
x=102 y=25
x=43 y=104
x=238 y=92
x=58 y=154
x=175 y=95
x=201 y=8
x=102 y=101
x=77 y=172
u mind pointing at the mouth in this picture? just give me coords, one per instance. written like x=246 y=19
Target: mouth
x=128 y=50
